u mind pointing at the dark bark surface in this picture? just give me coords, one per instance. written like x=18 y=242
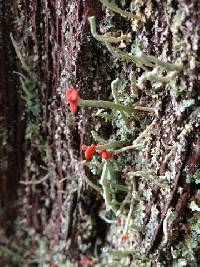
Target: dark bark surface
x=10 y=113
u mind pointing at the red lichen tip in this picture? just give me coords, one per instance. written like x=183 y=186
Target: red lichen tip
x=106 y=154
x=72 y=95
x=124 y=237
x=73 y=106
x=53 y=265
x=86 y=261
x=83 y=147
x=118 y=220
x=89 y=152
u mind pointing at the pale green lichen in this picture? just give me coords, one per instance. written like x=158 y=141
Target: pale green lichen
x=111 y=105
x=104 y=38
x=139 y=58
x=195 y=178
x=186 y=103
x=149 y=175
x=118 y=10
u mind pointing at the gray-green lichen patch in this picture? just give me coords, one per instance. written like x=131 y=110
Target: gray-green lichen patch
x=73 y=213
x=166 y=150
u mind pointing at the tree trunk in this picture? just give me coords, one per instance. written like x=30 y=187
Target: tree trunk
x=42 y=184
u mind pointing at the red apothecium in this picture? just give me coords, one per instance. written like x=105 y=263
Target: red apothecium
x=86 y=261
x=118 y=220
x=73 y=106
x=106 y=154
x=89 y=152
x=72 y=96
x=83 y=147
x=124 y=237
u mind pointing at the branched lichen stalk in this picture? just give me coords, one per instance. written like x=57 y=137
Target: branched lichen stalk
x=165 y=65
x=120 y=187
x=128 y=57
x=103 y=38
x=35 y=182
x=118 y=10
x=111 y=105
x=106 y=190
x=150 y=176
x=133 y=197
x=154 y=76
x=142 y=59
x=94 y=186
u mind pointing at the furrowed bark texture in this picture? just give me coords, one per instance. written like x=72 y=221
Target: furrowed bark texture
x=11 y=127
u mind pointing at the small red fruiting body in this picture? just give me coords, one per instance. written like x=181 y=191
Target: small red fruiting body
x=86 y=261
x=72 y=96
x=106 y=155
x=118 y=220
x=53 y=265
x=89 y=152
x=83 y=147
x=124 y=237
x=73 y=106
